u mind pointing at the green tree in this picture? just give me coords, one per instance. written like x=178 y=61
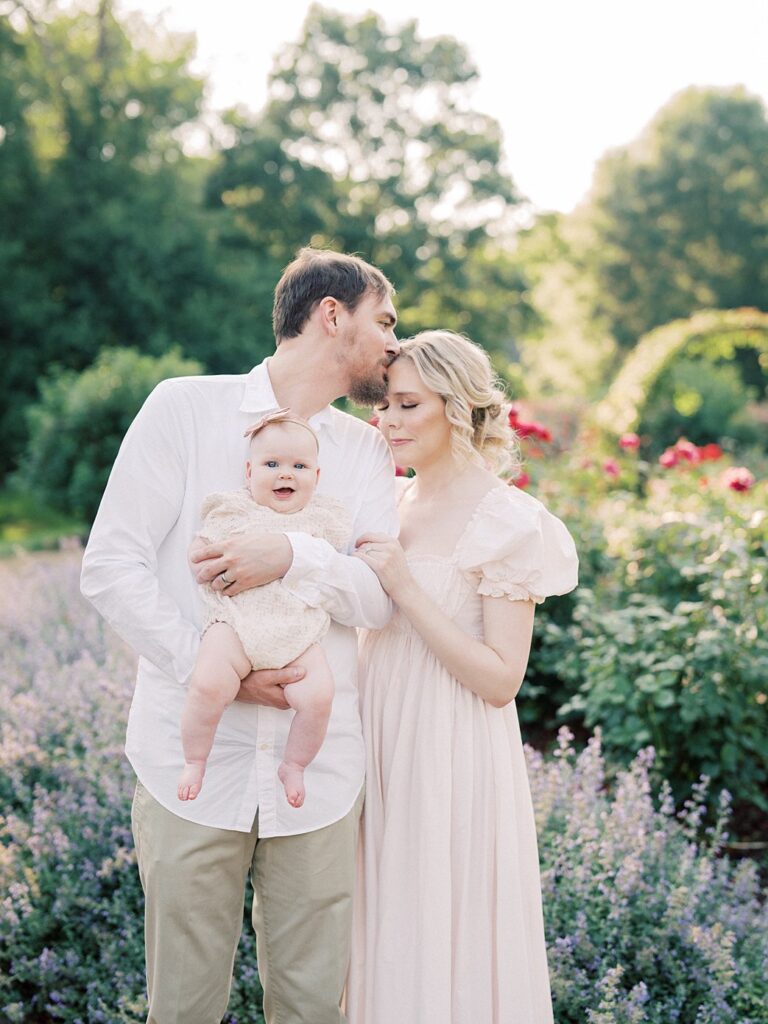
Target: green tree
x=107 y=236
x=369 y=143
x=678 y=220
x=567 y=351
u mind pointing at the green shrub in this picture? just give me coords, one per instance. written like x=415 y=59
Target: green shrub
x=699 y=400
x=76 y=428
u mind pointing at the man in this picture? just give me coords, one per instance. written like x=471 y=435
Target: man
x=334 y=325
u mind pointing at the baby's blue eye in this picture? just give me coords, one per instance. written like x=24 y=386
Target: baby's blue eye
x=299 y=465
x=271 y=464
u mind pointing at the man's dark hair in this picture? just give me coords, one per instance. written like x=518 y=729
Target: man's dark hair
x=315 y=274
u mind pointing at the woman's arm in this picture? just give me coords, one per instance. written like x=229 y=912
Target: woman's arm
x=494 y=667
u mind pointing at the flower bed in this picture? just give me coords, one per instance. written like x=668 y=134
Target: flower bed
x=646 y=923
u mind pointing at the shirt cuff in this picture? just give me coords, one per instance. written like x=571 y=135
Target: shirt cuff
x=311 y=563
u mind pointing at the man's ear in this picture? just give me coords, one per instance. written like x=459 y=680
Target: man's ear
x=329 y=312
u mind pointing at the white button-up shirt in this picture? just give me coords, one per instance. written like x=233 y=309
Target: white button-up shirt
x=187 y=441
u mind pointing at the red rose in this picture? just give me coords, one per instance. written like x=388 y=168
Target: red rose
x=522 y=480
x=611 y=468
x=710 y=453
x=533 y=429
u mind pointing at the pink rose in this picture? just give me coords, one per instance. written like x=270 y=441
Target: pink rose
x=631 y=442
x=668 y=458
x=738 y=478
x=687 y=450
x=611 y=468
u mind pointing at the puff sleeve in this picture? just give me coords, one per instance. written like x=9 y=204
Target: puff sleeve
x=514 y=548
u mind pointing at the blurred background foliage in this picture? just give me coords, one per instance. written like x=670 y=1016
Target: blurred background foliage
x=113 y=236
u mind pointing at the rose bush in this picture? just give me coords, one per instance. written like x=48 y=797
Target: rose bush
x=666 y=639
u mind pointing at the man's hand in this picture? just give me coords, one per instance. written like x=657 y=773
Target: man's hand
x=246 y=560
x=266 y=686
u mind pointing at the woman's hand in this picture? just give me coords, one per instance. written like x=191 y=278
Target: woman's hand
x=387 y=559
x=240 y=562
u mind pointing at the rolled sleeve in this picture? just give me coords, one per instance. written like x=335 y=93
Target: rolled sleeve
x=343 y=584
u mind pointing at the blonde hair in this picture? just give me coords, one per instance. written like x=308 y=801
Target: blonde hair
x=476 y=407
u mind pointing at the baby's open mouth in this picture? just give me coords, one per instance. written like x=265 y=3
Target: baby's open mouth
x=284 y=491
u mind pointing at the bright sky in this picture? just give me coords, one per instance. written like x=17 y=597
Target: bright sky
x=567 y=79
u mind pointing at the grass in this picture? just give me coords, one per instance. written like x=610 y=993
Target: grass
x=28 y=525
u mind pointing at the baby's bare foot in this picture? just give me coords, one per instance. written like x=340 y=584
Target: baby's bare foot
x=292 y=778
x=191 y=781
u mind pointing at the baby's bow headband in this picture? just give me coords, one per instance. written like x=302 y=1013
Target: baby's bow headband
x=278 y=416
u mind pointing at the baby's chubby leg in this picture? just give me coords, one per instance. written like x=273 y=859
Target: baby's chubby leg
x=221 y=665
x=311 y=698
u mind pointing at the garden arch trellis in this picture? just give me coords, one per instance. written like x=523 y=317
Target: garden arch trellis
x=715 y=332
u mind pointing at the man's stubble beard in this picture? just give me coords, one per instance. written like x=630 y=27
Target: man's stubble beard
x=367 y=391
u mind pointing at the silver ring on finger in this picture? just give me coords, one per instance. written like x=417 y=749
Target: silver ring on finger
x=225 y=579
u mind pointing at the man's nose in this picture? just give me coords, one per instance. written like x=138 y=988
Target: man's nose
x=393 y=346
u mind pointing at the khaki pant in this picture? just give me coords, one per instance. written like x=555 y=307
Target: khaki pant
x=194 y=880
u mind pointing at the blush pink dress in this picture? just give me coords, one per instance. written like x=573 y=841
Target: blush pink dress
x=448 y=922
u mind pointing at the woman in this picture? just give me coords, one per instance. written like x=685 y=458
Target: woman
x=448 y=926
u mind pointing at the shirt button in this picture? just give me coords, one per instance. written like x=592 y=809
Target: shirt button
x=263 y=746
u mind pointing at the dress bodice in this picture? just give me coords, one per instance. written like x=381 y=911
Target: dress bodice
x=440 y=577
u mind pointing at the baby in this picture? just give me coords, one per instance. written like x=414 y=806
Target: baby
x=265 y=627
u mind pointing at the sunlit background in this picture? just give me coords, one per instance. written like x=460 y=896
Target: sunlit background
x=566 y=81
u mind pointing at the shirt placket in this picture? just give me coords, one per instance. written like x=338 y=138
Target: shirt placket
x=265 y=770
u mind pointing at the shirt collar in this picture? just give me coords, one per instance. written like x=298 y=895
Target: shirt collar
x=259 y=397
